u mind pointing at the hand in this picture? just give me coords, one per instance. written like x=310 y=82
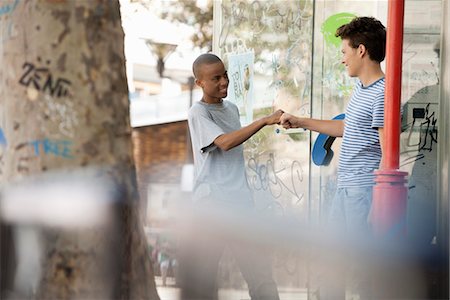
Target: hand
x=274 y=118
x=285 y=120
x=288 y=121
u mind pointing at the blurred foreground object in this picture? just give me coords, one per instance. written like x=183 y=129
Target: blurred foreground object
x=64 y=107
x=80 y=208
x=396 y=268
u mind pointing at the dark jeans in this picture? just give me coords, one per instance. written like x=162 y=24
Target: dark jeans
x=201 y=252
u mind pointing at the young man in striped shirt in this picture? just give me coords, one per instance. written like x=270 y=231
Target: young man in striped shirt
x=363 y=49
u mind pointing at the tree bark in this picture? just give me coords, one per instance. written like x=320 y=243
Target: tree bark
x=64 y=107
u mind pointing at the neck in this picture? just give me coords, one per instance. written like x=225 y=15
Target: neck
x=211 y=100
x=372 y=74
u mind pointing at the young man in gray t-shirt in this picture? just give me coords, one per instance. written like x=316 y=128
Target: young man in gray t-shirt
x=220 y=183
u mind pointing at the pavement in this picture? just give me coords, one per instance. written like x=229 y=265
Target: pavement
x=172 y=292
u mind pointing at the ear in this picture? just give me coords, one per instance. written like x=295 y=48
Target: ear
x=199 y=82
x=362 y=50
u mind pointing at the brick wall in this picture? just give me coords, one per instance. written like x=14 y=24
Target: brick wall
x=160 y=151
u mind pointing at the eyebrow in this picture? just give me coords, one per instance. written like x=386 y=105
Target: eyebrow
x=220 y=75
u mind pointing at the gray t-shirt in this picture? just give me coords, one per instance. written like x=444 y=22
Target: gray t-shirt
x=218 y=174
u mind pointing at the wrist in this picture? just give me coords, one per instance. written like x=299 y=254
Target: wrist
x=299 y=123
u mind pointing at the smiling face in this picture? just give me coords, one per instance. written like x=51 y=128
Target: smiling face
x=352 y=58
x=213 y=79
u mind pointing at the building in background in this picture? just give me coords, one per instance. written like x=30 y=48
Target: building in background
x=159 y=56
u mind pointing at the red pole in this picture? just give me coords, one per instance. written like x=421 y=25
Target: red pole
x=394 y=51
x=390 y=192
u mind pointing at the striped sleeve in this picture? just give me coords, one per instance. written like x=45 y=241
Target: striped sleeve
x=378 y=111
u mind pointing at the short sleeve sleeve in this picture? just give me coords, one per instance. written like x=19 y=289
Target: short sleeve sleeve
x=203 y=129
x=378 y=111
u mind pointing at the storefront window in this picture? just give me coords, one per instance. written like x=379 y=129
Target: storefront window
x=289 y=51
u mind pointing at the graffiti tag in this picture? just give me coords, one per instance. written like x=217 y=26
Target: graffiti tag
x=42 y=80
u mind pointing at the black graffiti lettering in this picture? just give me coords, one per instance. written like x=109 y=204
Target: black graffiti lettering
x=428 y=131
x=63 y=91
x=48 y=85
x=30 y=68
x=42 y=80
x=35 y=78
x=60 y=86
x=411 y=159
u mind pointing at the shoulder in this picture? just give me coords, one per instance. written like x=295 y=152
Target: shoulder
x=197 y=109
x=231 y=106
x=371 y=92
x=379 y=89
x=379 y=85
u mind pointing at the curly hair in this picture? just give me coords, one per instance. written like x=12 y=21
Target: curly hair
x=367 y=31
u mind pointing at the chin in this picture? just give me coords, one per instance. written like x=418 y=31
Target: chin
x=350 y=73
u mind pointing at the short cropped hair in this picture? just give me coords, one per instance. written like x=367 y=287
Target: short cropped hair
x=204 y=59
x=367 y=31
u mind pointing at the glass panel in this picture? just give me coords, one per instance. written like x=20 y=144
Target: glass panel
x=420 y=99
x=332 y=86
x=297 y=67
x=279 y=33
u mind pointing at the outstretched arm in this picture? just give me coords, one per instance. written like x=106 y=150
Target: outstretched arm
x=232 y=139
x=333 y=128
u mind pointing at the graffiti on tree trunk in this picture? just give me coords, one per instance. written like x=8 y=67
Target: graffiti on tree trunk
x=61 y=148
x=42 y=80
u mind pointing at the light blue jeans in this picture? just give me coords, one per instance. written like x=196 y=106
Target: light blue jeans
x=350 y=210
x=348 y=215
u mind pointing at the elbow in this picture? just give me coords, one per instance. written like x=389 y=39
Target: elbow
x=225 y=146
x=337 y=134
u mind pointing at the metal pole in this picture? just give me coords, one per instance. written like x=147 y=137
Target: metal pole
x=394 y=51
x=390 y=191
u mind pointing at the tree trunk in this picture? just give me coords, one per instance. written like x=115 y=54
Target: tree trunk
x=64 y=107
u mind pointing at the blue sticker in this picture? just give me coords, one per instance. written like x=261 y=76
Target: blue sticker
x=2 y=138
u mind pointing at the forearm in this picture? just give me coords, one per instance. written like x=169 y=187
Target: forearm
x=232 y=139
x=333 y=128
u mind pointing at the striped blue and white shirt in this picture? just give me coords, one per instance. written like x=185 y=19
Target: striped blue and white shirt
x=360 y=151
